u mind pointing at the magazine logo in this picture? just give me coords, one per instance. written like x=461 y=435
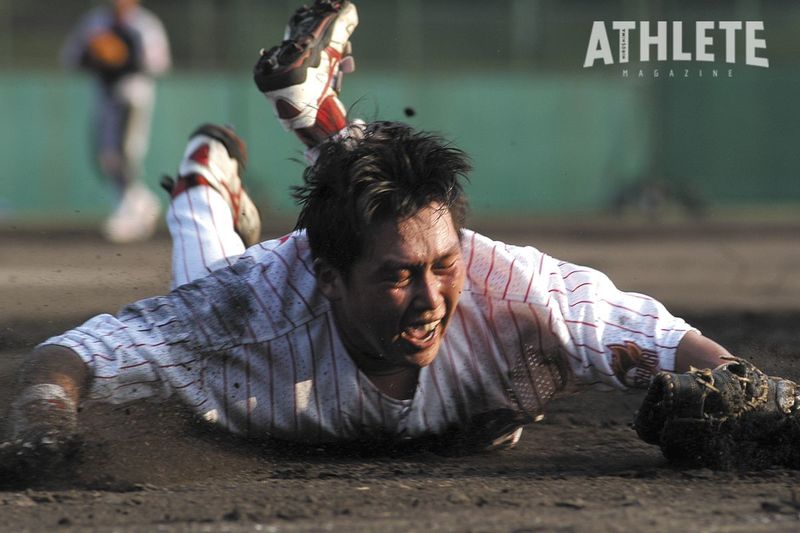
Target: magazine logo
x=666 y=42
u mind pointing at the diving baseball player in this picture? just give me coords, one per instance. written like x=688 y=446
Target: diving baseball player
x=380 y=317
x=124 y=47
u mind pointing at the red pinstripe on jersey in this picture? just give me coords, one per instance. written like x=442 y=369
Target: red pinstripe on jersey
x=254 y=347
x=199 y=246
x=510 y=275
x=489 y=272
x=360 y=400
x=289 y=282
x=294 y=380
x=311 y=358
x=271 y=377
x=472 y=356
x=460 y=398
x=225 y=253
x=329 y=330
x=179 y=243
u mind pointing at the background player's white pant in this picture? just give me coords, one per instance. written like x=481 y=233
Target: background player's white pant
x=203 y=238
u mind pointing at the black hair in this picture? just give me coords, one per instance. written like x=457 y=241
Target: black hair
x=383 y=171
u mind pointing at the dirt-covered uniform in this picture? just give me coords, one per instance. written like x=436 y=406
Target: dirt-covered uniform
x=254 y=346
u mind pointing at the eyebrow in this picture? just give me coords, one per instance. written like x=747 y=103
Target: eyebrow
x=398 y=264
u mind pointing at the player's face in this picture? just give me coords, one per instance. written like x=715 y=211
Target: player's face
x=400 y=296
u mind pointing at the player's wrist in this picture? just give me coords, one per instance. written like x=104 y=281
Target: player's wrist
x=44 y=414
x=42 y=429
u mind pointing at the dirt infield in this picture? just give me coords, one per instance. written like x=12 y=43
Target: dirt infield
x=148 y=467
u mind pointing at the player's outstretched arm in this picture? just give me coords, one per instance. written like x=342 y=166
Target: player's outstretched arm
x=42 y=425
x=698 y=351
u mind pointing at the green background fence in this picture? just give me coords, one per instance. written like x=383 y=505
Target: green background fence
x=503 y=79
x=540 y=144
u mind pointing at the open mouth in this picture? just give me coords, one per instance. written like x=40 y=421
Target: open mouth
x=421 y=335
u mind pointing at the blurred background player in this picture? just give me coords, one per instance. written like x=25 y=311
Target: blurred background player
x=124 y=47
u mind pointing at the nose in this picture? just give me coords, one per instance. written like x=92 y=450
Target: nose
x=427 y=292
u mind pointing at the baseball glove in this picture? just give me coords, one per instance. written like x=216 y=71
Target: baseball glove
x=731 y=417
x=112 y=53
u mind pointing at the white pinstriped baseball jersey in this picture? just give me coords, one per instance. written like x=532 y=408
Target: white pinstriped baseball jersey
x=254 y=348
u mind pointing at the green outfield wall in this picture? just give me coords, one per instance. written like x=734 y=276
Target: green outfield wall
x=540 y=144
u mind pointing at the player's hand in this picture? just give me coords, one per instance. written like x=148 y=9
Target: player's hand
x=42 y=431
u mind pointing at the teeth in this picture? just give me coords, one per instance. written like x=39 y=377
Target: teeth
x=421 y=332
x=426 y=328
x=430 y=326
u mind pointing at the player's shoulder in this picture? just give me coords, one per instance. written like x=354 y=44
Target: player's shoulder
x=477 y=246
x=291 y=245
x=286 y=259
x=271 y=287
x=498 y=269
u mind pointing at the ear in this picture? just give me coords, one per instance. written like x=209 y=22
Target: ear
x=329 y=279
